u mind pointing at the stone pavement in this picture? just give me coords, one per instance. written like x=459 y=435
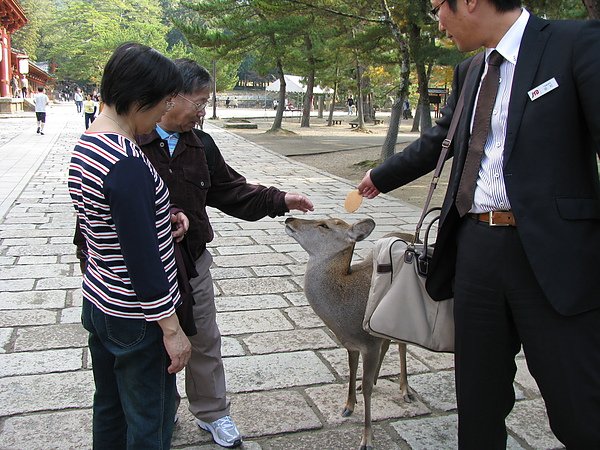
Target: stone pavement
x=286 y=373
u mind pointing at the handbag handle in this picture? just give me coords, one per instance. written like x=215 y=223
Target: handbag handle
x=445 y=146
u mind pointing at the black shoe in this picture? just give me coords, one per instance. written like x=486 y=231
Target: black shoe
x=41 y=132
x=38 y=130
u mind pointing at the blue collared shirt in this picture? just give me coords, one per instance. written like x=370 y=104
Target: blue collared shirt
x=171 y=138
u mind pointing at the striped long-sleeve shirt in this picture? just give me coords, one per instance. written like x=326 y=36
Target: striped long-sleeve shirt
x=122 y=206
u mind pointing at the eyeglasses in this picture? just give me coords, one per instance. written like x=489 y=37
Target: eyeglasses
x=435 y=12
x=170 y=105
x=197 y=106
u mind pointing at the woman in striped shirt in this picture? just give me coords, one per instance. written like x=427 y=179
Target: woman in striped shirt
x=129 y=286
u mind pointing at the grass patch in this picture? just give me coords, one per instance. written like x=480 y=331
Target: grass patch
x=367 y=164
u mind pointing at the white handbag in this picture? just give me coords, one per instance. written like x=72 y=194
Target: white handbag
x=399 y=307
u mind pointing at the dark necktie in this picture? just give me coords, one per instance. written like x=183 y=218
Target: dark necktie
x=481 y=129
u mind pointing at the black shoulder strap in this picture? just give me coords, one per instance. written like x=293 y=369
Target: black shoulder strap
x=210 y=149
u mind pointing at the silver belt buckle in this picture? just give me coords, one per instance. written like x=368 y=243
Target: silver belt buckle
x=492 y=223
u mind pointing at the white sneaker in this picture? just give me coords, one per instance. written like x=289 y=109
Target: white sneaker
x=223 y=430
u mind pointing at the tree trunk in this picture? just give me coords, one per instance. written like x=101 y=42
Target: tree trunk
x=389 y=145
x=281 y=102
x=333 y=97
x=593 y=8
x=417 y=118
x=308 y=98
x=359 y=99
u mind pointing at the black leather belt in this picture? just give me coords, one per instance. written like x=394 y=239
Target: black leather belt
x=496 y=218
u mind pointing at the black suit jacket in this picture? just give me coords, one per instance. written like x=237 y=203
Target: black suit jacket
x=550 y=163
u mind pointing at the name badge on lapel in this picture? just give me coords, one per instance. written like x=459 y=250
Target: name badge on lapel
x=542 y=89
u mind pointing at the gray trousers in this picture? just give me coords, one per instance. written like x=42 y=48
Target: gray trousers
x=204 y=373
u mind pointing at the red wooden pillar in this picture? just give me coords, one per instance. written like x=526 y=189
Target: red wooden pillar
x=5 y=64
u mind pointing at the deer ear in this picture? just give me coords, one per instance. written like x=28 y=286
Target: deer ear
x=361 y=229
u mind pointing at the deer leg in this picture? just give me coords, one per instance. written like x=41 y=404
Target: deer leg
x=405 y=391
x=370 y=369
x=351 y=400
x=385 y=344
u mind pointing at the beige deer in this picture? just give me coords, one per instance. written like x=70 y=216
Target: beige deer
x=338 y=292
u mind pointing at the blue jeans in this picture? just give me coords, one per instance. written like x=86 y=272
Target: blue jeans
x=134 y=399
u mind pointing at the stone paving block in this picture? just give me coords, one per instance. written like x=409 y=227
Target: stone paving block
x=76 y=297
x=231 y=347
x=386 y=403
x=436 y=433
x=59 y=283
x=268 y=259
x=434 y=360
x=249 y=302
x=42 y=250
x=31 y=363
x=341 y=437
x=436 y=389
x=51 y=336
x=297 y=269
x=243 y=249
x=34 y=271
x=7 y=260
x=304 y=317
x=54 y=391
x=285 y=248
x=10 y=242
x=288 y=341
x=275 y=371
x=255 y=286
x=40 y=431
x=218 y=273
x=32 y=300
x=269 y=239
x=16 y=285
x=297 y=298
x=38 y=260
x=71 y=315
x=529 y=421
x=20 y=318
x=430 y=433
x=5 y=336
x=338 y=358
x=274 y=412
x=34 y=233
x=525 y=380
x=299 y=258
x=252 y=322
x=271 y=271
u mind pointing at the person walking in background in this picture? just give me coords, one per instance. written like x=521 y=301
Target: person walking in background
x=14 y=86
x=78 y=97
x=130 y=289
x=40 y=100
x=235 y=102
x=89 y=110
x=197 y=176
x=406 y=110
x=350 y=104
x=24 y=86
x=227 y=102
x=534 y=173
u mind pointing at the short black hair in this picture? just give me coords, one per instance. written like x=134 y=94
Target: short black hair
x=40 y=89
x=137 y=75
x=501 y=5
x=195 y=77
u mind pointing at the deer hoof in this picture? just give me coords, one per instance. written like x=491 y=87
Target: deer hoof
x=366 y=447
x=408 y=396
x=347 y=412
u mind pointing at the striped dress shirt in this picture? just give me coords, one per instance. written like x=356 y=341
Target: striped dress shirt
x=123 y=209
x=490 y=190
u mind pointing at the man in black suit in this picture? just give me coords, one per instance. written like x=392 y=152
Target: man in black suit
x=534 y=282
